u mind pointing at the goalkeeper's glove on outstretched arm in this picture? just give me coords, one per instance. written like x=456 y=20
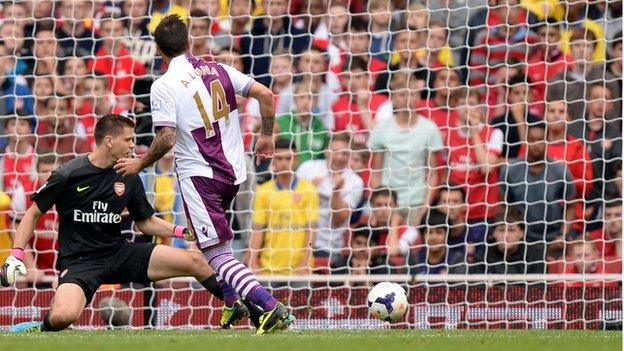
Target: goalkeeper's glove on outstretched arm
x=12 y=265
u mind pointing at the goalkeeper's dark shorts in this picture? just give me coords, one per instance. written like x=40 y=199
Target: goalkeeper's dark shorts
x=126 y=263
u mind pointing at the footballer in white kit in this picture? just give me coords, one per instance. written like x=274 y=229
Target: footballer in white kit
x=194 y=111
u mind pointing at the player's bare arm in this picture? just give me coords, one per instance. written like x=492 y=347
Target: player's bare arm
x=163 y=142
x=265 y=145
x=156 y=226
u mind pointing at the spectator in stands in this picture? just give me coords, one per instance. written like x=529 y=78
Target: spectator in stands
x=302 y=127
x=43 y=89
x=136 y=36
x=464 y=239
x=507 y=37
x=113 y=58
x=285 y=213
x=282 y=73
x=71 y=80
x=206 y=35
x=75 y=34
x=199 y=30
x=608 y=239
x=406 y=144
x=42 y=9
x=269 y=33
x=455 y=16
x=13 y=41
x=474 y=156
x=98 y=101
x=17 y=13
x=572 y=152
x=13 y=38
x=437 y=108
x=312 y=69
x=434 y=257
x=604 y=143
x=16 y=94
x=364 y=256
x=576 y=18
x=337 y=33
x=381 y=28
x=507 y=251
x=406 y=45
x=62 y=135
x=340 y=191
x=584 y=259
x=517 y=117
x=387 y=227
x=237 y=24
x=164 y=8
x=417 y=20
x=45 y=50
x=17 y=165
x=358 y=44
x=311 y=18
x=435 y=53
x=547 y=60
x=542 y=190
x=615 y=58
x=572 y=84
x=358 y=110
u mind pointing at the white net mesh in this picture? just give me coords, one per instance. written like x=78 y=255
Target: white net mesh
x=469 y=150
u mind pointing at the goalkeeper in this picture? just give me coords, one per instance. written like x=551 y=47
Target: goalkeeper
x=90 y=198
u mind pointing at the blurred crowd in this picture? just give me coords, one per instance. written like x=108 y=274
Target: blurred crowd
x=421 y=137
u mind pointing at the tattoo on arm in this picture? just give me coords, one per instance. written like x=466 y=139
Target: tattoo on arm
x=164 y=141
x=267 y=125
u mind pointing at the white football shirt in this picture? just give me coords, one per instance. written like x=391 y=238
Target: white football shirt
x=198 y=98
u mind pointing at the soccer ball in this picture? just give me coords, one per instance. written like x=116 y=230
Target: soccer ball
x=387 y=301
x=115 y=312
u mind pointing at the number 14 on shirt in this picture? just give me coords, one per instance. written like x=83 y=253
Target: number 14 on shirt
x=220 y=107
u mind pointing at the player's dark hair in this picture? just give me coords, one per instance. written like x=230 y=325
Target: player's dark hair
x=282 y=143
x=111 y=125
x=171 y=36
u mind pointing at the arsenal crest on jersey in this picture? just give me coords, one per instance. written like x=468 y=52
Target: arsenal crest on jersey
x=120 y=188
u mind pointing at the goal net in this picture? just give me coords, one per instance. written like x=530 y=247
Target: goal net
x=470 y=151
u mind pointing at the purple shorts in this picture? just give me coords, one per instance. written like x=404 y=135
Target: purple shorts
x=205 y=203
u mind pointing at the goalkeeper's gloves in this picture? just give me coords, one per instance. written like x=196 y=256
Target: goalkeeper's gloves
x=11 y=266
x=183 y=233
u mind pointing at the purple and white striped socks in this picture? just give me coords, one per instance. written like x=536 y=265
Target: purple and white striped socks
x=234 y=274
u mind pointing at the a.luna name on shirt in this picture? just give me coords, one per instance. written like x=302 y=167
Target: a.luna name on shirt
x=199 y=71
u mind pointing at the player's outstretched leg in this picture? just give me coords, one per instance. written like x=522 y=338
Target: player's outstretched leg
x=67 y=306
x=236 y=275
x=167 y=262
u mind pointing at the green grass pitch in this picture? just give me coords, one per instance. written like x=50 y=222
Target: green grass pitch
x=343 y=340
